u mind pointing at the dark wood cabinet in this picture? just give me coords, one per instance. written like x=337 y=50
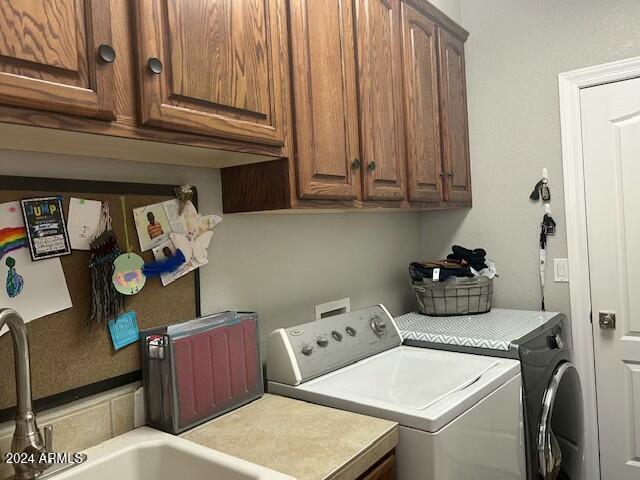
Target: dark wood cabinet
x=325 y=99
x=380 y=87
x=385 y=469
x=406 y=94
x=422 y=106
x=355 y=103
x=455 y=128
x=49 y=56
x=212 y=67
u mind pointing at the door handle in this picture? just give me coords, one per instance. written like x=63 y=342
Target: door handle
x=607 y=320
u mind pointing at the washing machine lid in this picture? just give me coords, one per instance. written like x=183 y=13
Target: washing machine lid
x=495 y=330
x=416 y=387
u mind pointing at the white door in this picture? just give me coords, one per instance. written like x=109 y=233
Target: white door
x=611 y=145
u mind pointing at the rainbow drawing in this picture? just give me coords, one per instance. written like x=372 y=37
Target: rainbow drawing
x=12 y=238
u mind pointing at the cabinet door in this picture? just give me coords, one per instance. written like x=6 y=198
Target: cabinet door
x=325 y=99
x=49 y=56
x=455 y=128
x=212 y=67
x=384 y=470
x=422 y=111
x=380 y=86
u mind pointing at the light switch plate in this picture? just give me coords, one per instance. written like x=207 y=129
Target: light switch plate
x=561 y=270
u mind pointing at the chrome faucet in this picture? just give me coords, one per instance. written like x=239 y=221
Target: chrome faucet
x=26 y=438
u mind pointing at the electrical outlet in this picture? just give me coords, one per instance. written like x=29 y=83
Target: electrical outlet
x=561 y=270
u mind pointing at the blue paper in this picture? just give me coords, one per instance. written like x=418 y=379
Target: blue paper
x=124 y=330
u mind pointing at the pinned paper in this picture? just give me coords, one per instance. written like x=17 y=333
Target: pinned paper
x=124 y=330
x=42 y=288
x=83 y=222
x=46 y=228
x=152 y=225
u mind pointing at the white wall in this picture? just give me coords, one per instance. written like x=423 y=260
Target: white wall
x=452 y=8
x=280 y=265
x=514 y=53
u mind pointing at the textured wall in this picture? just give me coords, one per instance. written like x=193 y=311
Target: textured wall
x=453 y=8
x=515 y=52
x=280 y=265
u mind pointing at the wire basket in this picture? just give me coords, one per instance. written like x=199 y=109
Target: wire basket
x=456 y=296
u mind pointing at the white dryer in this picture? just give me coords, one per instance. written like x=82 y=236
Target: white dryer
x=460 y=415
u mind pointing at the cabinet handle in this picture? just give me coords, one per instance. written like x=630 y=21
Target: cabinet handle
x=155 y=65
x=355 y=164
x=106 y=53
x=372 y=166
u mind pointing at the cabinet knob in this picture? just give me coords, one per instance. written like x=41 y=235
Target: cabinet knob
x=450 y=174
x=355 y=164
x=155 y=65
x=106 y=53
x=372 y=166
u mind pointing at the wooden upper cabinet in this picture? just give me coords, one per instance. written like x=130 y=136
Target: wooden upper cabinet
x=325 y=99
x=49 y=56
x=381 y=98
x=213 y=67
x=455 y=128
x=422 y=111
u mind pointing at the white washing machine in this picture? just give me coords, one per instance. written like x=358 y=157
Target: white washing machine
x=460 y=415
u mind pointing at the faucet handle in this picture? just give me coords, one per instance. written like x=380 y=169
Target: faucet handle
x=48 y=438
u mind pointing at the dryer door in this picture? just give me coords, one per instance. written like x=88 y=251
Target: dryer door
x=560 y=433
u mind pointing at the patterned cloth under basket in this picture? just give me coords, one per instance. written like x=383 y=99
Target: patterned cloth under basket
x=456 y=296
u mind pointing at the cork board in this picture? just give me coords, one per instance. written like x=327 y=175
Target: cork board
x=68 y=360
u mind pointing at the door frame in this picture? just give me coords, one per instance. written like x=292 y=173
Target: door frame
x=570 y=83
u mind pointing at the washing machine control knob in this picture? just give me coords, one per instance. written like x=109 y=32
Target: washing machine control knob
x=307 y=350
x=379 y=326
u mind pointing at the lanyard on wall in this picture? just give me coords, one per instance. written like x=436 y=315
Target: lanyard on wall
x=547 y=226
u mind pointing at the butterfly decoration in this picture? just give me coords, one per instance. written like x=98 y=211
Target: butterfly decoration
x=194 y=251
x=196 y=224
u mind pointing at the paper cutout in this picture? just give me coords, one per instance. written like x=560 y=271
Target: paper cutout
x=127 y=273
x=124 y=330
x=15 y=282
x=83 y=222
x=194 y=251
x=196 y=224
x=44 y=287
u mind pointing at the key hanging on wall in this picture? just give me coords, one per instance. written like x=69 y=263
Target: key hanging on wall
x=541 y=191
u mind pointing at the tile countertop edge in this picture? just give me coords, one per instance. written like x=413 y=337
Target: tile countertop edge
x=351 y=469
x=367 y=457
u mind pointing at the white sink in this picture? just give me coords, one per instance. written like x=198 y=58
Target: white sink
x=146 y=453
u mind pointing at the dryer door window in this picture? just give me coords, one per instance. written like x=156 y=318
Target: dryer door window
x=560 y=433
